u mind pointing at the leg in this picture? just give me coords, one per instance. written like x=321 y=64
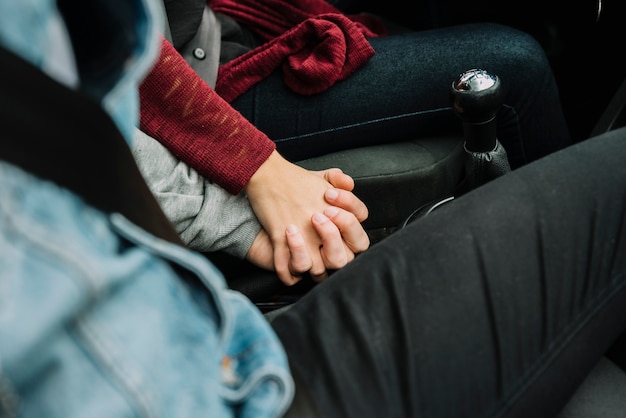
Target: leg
x=403 y=92
x=495 y=305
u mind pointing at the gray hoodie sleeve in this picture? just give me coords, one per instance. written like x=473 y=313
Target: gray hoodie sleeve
x=206 y=216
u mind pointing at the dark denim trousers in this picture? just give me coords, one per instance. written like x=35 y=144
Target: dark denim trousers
x=403 y=92
x=496 y=304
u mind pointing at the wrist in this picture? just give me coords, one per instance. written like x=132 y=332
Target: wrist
x=267 y=173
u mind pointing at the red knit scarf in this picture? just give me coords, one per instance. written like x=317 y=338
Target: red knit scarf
x=314 y=43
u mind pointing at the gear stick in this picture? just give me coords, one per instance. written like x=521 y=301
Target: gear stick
x=476 y=97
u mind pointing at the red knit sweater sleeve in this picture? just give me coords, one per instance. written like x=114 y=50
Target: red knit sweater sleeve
x=190 y=119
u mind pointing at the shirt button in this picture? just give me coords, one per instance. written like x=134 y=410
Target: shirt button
x=199 y=53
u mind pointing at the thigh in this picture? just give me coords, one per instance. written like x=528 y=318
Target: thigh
x=403 y=92
x=494 y=305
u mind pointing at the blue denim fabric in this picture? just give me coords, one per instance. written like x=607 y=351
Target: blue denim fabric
x=94 y=321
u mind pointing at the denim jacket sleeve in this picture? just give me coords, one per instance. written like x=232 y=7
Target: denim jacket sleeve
x=96 y=321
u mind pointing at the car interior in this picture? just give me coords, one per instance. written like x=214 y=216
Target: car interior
x=401 y=181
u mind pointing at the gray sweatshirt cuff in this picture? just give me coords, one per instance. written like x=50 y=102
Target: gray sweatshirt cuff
x=206 y=216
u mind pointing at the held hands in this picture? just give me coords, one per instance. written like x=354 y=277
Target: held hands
x=311 y=220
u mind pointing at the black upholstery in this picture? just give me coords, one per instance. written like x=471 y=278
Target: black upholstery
x=394 y=179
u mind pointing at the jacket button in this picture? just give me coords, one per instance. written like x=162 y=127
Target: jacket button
x=199 y=53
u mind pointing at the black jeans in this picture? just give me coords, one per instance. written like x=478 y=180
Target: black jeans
x=496 y=304
x=403 y=93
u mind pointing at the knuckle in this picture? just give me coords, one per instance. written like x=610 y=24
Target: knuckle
x=360 y=245
x=363 y=214
x=336 y=259
x=317 y=273
x=301 y=266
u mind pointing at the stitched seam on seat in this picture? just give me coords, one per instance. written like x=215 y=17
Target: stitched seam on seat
x=359 y=124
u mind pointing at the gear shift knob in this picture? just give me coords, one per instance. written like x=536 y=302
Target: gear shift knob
x=476 y=98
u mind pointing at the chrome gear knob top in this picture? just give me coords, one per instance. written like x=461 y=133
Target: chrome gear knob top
x=476 y=96
x=475 y=80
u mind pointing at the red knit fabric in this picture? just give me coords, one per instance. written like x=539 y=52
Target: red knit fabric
x=185 y=115
x=314 y=43
x=314 y=55
x=271 y=18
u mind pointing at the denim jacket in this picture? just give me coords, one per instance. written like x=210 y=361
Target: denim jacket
x=94 y=317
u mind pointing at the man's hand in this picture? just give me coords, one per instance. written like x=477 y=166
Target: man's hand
x=333 y=249
x=319 y=205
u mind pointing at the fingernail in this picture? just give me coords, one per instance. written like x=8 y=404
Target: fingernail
x=332 y=194
x=319 y=218
x=331 y=211
x=292 y=229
